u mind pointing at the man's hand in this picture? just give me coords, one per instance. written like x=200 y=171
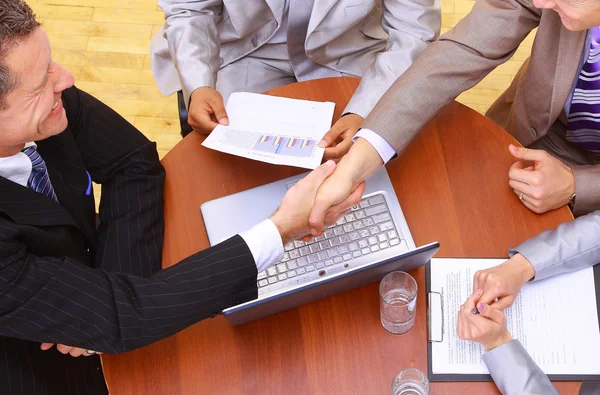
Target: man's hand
x=487 y=328
x=503 y=281
x=347 y=180
x=291 y=218
x=206 y=110
x=339 y=137
x=546 y=186
x=73 y=351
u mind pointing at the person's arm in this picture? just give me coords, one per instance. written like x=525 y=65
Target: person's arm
x=511 y=368
x=62 y=301
x=487 y=37
x=410 y=26
x=194 y=44
x=572 y=246
x=484 y=39
x=587 y=189
x=515 y=373
x=126 y=164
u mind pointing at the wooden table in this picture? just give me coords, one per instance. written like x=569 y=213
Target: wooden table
x=453 y=187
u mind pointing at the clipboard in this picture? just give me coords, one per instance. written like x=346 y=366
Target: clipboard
x=435 y=307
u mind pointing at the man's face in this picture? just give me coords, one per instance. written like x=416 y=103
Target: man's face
x=575 y=14
x=34 y=109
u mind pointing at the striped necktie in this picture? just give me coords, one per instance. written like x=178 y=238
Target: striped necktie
x=583 y=128
x=39 y=180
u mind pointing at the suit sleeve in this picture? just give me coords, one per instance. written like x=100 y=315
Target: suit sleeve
x=121 y=305
x=487 y=37
x=587 y=187
x=515 y=372
x=126 y=164
x=572 y=246
x=194 y=43
x=59 y=300
x=410 y=25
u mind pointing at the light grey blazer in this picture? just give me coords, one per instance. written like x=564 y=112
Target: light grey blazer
x=375 y=39
x=572 y=246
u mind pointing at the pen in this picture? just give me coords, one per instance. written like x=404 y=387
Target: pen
x=88 y=191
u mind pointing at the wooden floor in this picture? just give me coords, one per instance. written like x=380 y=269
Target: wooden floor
x=105 y=44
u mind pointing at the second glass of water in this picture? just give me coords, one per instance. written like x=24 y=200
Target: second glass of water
x=410 y=381
x=398 y=302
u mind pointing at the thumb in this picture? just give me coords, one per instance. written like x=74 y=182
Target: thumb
x=489 y=312
x=219 y=109
x=526 y=153
x=332 y=135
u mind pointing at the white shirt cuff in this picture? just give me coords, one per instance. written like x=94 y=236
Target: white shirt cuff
x=264 y=243
x=383 y=148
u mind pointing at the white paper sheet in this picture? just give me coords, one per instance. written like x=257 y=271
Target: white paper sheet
x=556 y=320
x=273 y=129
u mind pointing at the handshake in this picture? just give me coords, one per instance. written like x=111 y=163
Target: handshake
x=307 y=208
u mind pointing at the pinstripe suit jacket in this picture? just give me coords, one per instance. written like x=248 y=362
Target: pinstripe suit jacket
x=487 y=37
x=64 y=281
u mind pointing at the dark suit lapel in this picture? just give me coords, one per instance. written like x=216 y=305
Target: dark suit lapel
x=70 y=180
x=25 y=206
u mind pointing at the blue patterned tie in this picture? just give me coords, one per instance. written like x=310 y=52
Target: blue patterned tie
x=584 y=115
x=39 y=180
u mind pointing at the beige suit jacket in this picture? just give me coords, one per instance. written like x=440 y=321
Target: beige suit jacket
x=487 y=37
x=375 y=39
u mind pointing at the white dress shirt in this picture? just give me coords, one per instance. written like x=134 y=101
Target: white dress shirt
x=383 y=148
x=263 y=240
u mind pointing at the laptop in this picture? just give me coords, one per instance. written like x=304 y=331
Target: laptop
x=371 y=240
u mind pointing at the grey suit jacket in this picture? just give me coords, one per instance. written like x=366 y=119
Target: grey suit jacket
x=487 y=37
x=515 y=372
x=375 y=39
x=572 y=246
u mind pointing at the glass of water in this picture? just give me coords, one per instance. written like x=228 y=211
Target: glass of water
x=410 y=381
x=398 y=302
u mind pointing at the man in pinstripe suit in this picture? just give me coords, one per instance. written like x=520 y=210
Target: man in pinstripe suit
x=63 y=280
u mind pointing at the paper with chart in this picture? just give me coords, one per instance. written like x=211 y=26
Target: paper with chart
x=273 y=129
x=556 y=320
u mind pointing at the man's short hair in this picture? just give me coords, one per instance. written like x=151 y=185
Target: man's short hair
x=17 y=21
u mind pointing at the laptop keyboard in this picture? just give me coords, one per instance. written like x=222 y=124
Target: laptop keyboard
x=367 y=228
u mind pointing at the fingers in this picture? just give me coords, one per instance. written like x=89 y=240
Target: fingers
x=77 y=352
x=472 y=300
x=201 y=120
x=351 y=200
x=46 y=346
x=525 y=176
x=527 y=153
x=218 y=109
x=332 y=135
x=503 y=303
x=489 y=312
x=316 y=219
x=340 y=149
x=519 y=187
x=63 y=349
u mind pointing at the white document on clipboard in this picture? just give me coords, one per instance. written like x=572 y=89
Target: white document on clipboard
x=273 y=129
x=556 y=320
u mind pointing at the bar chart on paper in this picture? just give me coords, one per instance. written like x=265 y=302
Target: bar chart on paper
x=285 y=145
